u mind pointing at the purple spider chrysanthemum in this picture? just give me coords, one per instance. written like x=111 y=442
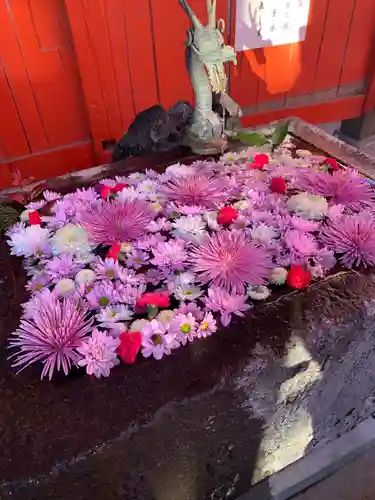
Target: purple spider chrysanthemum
x=196 y=190
x=353 y=238
x=228 y=260
x=343 y=187
x=156 y=341
x=170 y=254
x=62 y=266
x=113 y=221
x=52 y=334
x=222 y=301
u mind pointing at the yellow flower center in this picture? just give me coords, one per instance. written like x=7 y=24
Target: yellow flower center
x=157 y=339
x=110 y=274
x=185 y=328
x=204 y=326
x=104 y=301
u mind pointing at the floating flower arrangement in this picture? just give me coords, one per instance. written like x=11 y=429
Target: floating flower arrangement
x=144 y=264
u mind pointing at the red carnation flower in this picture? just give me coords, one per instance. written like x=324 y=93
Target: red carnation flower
x=298 y=278
x=278 y=185
x=261 y=159
x=105 y=192
x=34 y=218
x=332 y=162
x=227 y=215
x=130 y=344
x=153 y=299
x=118 y=188
x=114 y=251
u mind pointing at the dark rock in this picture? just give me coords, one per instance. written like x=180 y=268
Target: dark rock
x=154 y=130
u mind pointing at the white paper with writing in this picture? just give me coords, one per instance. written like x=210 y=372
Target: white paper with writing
x=261 y=23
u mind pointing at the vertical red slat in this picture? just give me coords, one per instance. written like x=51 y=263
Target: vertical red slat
x=115 y=15
x=334 y=42
x=243 y=81
x=141 y=54
x=19 y=79
x=12 y=137
x=310 y=48
x=43 y=36
x=360 y=46
x=170 y=24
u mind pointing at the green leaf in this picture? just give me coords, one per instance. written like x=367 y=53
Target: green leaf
x=280 y=133
x=251 y=138
x=8 y=216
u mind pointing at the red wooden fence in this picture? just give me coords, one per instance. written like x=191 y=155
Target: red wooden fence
x=74 y=74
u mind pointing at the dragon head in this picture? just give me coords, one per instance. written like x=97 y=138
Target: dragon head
x=207 y=42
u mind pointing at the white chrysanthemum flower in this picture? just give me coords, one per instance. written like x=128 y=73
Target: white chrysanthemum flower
x=303 y=153
x=211 y=219
x=264 y=234
x=65 y=287
x=130 y=193
x=113 y=314
x=190 y=228
x=186 y=278
x=138 y=325
x=126 y=247
x=30 y=241
x=165 y=317
x=85 y=276
x=258 y=292
x=230 y=158
x=148 y=186
x=278 y=276
x=187 y=292
x=71 y=239
x=308 y=206
x=179 y=170
x=241 y=205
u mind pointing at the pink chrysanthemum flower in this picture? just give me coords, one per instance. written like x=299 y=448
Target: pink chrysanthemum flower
x=112 y=221
x=62 y=266
x=52 y=333
x=342 y=187
x=170 y=254
x=108 y=269
x=98 y=353
x=207 y=327
x=301 y=245
x=353 y=238
x=156 y=341
x=196 y=190
x=220 y=300
x=228 y=260
x=183 y=327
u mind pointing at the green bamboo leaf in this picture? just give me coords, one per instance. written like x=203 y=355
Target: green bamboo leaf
x=280 y=133
x=8 y=216
x=251 y=138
